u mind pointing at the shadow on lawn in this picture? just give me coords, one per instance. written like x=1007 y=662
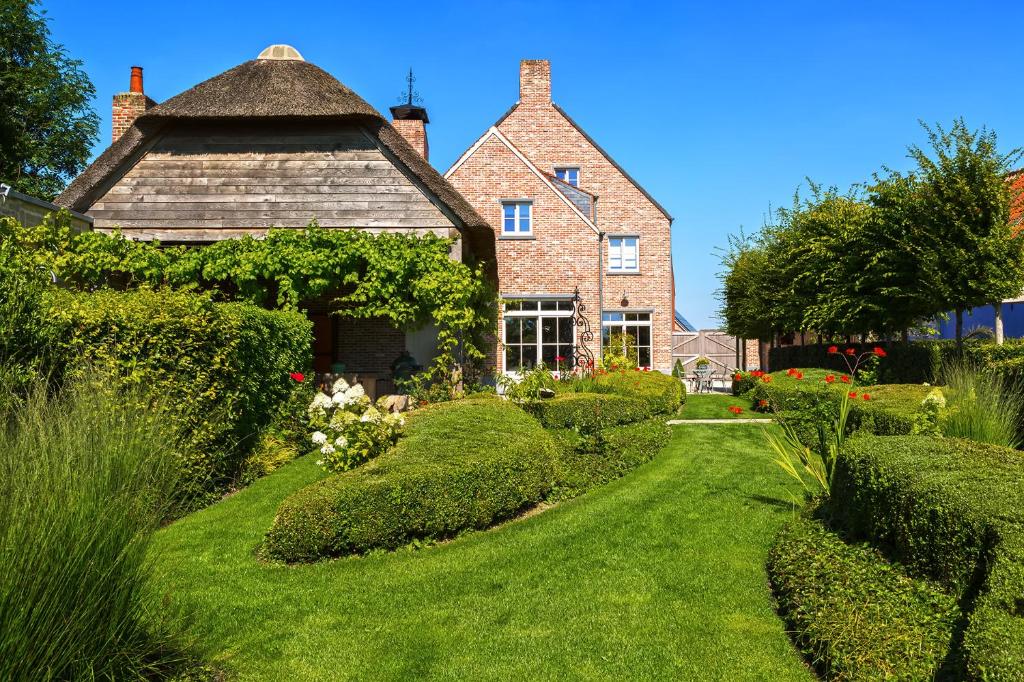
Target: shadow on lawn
x=773 y=501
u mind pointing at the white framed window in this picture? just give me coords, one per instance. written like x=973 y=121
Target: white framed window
x=569 y=175
x=516 y=218
x=538 y=331
x=623 y=254
x=628 y=334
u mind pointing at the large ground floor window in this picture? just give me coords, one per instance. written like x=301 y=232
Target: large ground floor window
x=538 y=331
x=629 y=334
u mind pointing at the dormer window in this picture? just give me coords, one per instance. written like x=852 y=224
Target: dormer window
x=517 y=218
x=568 y=175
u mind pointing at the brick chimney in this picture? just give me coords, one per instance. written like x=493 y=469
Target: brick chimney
x=411 y=123
x=535 y=81
x=128 y=106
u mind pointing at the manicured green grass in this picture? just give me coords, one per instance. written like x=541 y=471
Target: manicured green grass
x=658 y=575
x=715 y=406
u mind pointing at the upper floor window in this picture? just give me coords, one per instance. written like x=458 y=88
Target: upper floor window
x=517 y=218
x=623 y=254
x=568 y=175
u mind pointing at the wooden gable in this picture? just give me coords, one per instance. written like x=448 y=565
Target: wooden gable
x=203 y=182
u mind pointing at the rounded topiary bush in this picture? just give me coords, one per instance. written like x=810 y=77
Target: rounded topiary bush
x=664 y=394
x=461 y=465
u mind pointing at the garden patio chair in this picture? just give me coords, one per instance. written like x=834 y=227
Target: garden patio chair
x=702 y=378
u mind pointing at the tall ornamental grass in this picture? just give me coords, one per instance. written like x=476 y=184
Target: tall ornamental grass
x=85 y=478
x=983 y=405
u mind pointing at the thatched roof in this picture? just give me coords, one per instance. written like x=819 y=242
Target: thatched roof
x=273 y=88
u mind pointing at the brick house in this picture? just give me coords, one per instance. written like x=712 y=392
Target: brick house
x=567 y=217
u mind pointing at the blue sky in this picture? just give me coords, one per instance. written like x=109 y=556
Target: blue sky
x=719 y=109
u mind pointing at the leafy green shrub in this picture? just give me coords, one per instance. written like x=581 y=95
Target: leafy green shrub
x=585 y=462
x=347 y=429
x=223 y=367
x=588 y=413
x=664 y=394
x=744 y=382
x=87 y=477
x=462 y=465
x=953 y=511
x=855 y=615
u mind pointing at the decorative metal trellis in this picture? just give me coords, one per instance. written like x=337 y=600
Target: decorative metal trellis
x=582 y=356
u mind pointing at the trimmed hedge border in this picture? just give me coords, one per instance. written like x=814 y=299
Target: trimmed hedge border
x=588 y=413
x=663 y=393
x=913 y=363
x=223 y=367
x=951 y=511
x=588 y=462
x=855 y=615
x=462 y=465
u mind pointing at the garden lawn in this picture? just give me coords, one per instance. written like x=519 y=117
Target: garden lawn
x=715 y=406
x=657 y=575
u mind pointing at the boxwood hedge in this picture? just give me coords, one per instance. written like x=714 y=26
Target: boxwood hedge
x=855 y=615
x=461 y=465
x=663 y=393
x=588 y=413
x=951 y=511
x=585 y=462
x=222 y=367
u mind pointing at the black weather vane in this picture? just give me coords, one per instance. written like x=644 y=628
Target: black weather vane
x=411 y=97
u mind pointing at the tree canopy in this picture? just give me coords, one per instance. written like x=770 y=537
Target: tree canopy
x=886 y=255
x=47 y=125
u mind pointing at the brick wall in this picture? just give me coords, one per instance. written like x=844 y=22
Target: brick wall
x=564 y=253
x=415 y=133
x=368 y=345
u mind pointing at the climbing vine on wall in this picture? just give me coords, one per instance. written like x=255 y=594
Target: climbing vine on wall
x=407 y=279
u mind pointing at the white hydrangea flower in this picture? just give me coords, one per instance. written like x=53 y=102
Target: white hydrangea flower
x=341 y=399
x=341 y=441
x=339 y=386
x=355 y=392
x=319 y=437
x=327 y=449
x=321 y=401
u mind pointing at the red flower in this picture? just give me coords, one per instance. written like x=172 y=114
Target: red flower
x=829 y=378
x=757 y=373
x=853 y=394
x=880 y=352
x=738 y=377
x=559 y=358
x=298 y=376
x=845 y=379
x=799 y=375
x=866 y=397
x=647 y=369
x=766 y=378
x=850 y=351
x=735 y=410
x=790 y=371
x=832 y=350
x=636 y=369
x=762 y=403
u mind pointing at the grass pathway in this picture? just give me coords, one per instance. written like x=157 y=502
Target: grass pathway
x=659 y=575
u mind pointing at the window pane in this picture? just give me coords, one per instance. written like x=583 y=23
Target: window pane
x=565 y=329
x=643 y=317
x=528 y=305
x=524 y=224
x=560 y=173
x=548 y=330
x=644 y=356
x=612 y=317
x=574 y=177
x=512 y=354
x=566 y=352
x=565 y=305
x=529 y=357
x=512 y=330
x=548 y=353
x=605 y=335
x=643 y=335
x=549 y=305
x=512 y=306
x=529 y=330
